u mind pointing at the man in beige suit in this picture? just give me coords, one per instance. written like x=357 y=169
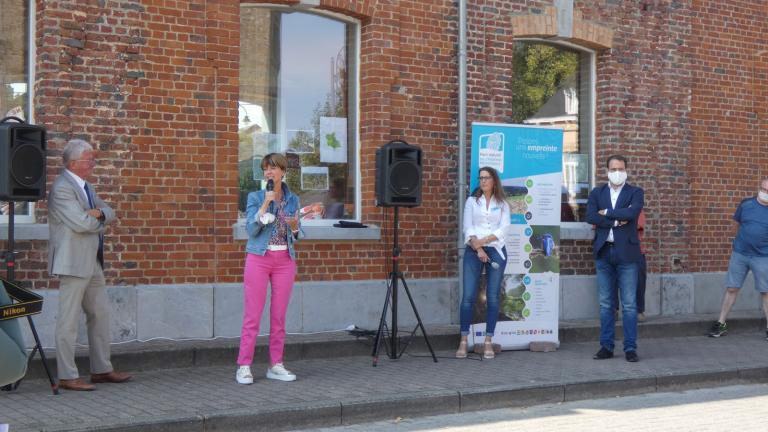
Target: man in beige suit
x=77 y=218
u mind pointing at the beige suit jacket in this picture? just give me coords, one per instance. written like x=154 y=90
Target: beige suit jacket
x=74 y=235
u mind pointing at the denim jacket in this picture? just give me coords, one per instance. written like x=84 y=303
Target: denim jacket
x=259 y=233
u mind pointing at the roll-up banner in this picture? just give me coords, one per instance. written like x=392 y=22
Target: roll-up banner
x=529 y=160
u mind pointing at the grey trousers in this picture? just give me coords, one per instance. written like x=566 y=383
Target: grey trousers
x=88 y=295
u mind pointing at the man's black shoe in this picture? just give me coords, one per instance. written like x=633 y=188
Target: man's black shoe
x=631 y=356
x=603 y=354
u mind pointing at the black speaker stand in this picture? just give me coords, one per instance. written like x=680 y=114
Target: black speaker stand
x=393 y=350
x=10 y=266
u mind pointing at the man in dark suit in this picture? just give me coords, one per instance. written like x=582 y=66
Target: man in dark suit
x=613 y=209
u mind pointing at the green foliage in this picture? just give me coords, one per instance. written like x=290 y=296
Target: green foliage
x=539 y=71
x=333 y=142
x=247 y=185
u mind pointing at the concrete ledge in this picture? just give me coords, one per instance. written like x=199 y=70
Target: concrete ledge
x=301 y=416
x=409 y=405
x=174 y=311
x=191 y=423
x=698 y=380
x=759 y=375
x=504 y=397
x=607 y=389
x=663 y=327
x=167 y=354
x=215 y=310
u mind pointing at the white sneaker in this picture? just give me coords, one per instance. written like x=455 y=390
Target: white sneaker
x=279 y=372
x=244 y=375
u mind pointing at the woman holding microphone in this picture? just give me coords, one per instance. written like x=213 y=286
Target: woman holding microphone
x=486 y=218
x=273 y=226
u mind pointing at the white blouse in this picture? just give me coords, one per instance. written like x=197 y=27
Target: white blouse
x=481 y=221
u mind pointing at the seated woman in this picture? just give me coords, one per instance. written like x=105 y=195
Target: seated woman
x=13 y=357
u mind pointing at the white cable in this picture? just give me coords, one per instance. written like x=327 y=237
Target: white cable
x=350 y=327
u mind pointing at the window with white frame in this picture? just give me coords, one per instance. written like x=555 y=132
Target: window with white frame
x=16 y=52
x=298 y=96
x=553 y=85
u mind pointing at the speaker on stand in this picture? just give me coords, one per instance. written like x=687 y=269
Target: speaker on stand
x=398 y=184
x=22 y=161
x=398 y=175
x=22 y=178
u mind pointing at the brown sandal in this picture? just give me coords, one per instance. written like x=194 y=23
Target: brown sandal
x=488 y=350
x=462 y=351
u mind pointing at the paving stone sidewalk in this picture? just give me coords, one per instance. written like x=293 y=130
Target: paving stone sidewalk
x=347 y=390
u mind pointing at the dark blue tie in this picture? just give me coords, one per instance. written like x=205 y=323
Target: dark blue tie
x=100 y=253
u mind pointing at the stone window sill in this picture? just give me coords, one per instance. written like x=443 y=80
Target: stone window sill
x=323 y=233
x=25 y=231
x=576 y=231
x=568 y=231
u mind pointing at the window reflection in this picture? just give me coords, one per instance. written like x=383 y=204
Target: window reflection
x=294 y=98
x=14 y=79
x=549 y=83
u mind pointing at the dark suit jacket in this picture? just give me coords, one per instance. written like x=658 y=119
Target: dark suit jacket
x=628 y=207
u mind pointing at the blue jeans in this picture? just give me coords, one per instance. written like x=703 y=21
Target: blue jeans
x=642 y=276
x=473 y=269
x=613 y=275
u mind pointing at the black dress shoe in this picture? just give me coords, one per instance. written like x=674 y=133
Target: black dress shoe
x=603 y=354
x=631 y=356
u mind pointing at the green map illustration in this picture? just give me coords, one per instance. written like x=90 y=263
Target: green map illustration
x=332 y=141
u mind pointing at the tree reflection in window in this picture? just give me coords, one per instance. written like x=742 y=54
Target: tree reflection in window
x=548 y=83
x=295 y=94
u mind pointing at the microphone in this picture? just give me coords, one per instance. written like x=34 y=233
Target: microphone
x=495 y=265
x=270 y=188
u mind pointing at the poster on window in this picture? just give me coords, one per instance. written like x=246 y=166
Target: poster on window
x=300 y=141
x=529 y=160
x=314 y=178
x=333 y=139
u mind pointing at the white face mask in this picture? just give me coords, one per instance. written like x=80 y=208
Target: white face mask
x=763 y=196
x=617 y=178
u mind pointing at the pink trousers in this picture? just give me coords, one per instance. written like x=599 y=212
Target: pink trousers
x=279 y=269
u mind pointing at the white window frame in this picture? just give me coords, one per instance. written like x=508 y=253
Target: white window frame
x=580 y=230
x=355 y=105
x=32 y=54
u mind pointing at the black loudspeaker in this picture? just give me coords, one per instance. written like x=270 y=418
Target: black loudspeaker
x=22 y=162
x=398 y=175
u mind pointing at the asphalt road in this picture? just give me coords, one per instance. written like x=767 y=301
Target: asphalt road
x=737 y=408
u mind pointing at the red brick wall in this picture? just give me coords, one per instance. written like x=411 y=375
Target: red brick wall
x=729 y=150
x=154 y=85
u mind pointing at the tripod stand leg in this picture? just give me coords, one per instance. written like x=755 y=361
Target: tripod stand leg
x=39 y=348
x=418 y=318
x=382 y=321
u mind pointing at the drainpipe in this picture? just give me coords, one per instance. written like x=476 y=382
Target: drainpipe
x=462 y=171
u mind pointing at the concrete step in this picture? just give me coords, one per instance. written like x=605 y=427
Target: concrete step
x=171 y=354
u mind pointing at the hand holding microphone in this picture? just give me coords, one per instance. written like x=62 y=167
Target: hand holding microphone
x=269 y=196
x=484 y=258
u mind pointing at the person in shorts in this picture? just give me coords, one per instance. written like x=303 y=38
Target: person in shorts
x=750 y=253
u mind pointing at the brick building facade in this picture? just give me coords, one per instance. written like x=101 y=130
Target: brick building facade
x=681 y=88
